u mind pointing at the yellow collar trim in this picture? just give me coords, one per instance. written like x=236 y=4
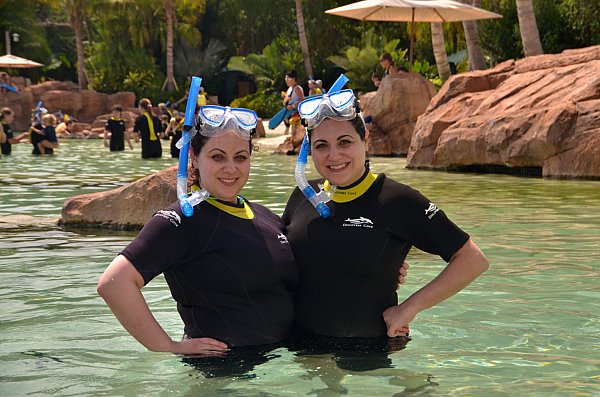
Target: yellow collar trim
x=244 y=213
x=345 y=195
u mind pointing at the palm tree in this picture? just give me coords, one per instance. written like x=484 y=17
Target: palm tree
x=476 y=58
x=76 y=13
x=302 y=36
x=530 y=36
x=170 y=18
x=439 y=50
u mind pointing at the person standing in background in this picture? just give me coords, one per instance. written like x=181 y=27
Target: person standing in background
x=148 y=127
x=118 y=134
x=6 y=117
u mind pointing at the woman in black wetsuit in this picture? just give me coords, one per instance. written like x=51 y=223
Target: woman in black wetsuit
x=229 y=266
x=349 y=262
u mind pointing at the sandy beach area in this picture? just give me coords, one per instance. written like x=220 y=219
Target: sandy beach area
x=273 y=139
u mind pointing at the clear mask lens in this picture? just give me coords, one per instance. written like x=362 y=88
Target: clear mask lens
x=217 y=120
x=338 y=105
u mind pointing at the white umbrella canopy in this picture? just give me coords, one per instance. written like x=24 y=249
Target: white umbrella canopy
x=412 y=11
x=13 y=61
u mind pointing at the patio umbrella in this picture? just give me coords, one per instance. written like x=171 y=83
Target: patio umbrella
x=13 y=61
x=412 y=11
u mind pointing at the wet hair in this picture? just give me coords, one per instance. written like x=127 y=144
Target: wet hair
x=292 y=74
x=117 y=108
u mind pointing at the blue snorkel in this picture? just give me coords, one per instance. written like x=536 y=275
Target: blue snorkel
x=186 y=201
x=318 y=200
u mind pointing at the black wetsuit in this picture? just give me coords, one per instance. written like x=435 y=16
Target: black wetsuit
x=349 y=263
x=151 y=146
x=117 y=134
x=6 y=147
x=36 y=138
x=232 y=277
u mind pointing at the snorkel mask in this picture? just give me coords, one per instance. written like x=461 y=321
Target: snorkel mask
x=338 y=104
x=216 y=120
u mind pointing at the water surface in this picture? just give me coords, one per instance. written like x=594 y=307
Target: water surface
x=528 y=327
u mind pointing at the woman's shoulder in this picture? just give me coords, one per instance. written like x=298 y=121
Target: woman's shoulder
x=390 y=188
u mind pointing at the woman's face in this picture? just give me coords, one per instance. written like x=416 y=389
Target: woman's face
x=338 y=152
x=224 y=165
x=385 y=63
x=8 y=118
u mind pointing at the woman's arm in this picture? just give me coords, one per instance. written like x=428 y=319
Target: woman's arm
x=464 y=267
x=120 y=286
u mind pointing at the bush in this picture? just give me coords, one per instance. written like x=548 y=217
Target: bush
x=265 y=103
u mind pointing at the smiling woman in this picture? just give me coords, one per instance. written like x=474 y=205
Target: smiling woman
x=228 y=266
x=374 y=223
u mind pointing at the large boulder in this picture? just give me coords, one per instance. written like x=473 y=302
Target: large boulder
x=395 y=108
x=62 y=96
x=126 y=207
x=539 y=115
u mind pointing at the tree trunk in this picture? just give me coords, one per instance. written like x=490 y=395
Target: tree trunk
x=170 y=84
x=476 y=58
x=76 y=17
x=439 y=50
x=303 y=41
x=530 y=36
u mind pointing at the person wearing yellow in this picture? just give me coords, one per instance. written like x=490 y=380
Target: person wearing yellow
x=148 y=127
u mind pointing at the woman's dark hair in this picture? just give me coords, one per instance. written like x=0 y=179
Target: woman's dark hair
x=292 y=73
x=386 y=57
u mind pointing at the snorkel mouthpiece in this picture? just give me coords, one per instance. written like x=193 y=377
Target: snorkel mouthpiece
x=187 y=202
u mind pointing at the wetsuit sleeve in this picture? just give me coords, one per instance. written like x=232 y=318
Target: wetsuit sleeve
x=137 y=127
x=424 y=225
x=160 y=244
x=295 y=199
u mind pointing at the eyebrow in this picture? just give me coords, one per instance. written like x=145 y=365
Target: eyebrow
x=222 y=151
x=337 y=139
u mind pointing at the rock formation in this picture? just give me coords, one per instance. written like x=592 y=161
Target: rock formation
x=62 y=96
x=395 y=108
x=126 y=207
x=539 y=115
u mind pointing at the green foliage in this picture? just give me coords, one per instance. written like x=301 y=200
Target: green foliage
x=363 y=63
x=125 y=39
x=191 y=61
x=561 y=24
x=269 y=68
x=264 y=102
x=424 y=68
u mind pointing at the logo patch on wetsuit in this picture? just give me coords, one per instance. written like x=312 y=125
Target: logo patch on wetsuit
x=358 y=222
x=431 y=211
x=282 y=238
x=171 y=216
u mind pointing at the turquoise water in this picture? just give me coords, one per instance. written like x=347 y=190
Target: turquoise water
x=527 y=327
